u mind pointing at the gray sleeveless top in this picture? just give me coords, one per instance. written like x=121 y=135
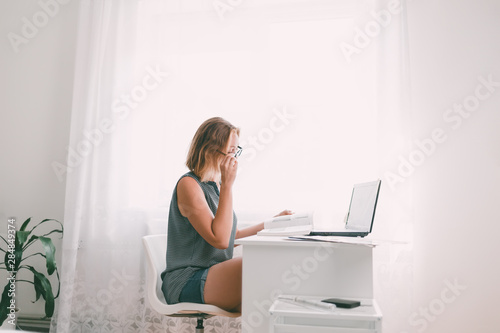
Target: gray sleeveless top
x=187 y=251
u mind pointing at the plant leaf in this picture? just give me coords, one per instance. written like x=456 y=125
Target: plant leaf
x=50 y=251
x=34 y=237
x=43 y=288
x=38 y=289
x=58 y=284
x=6 y=260
x=4 y=304
x=18 y=250
x=55 y=230
x=25 y=224
x=22 y=236
x=47 y=220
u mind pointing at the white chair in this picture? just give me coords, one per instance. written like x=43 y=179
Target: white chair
x=156 y=249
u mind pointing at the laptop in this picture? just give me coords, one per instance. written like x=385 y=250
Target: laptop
x=359 y=219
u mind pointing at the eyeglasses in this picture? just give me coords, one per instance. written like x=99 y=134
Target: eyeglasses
x=236 y=153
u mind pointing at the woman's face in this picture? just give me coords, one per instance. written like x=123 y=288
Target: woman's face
x=232 y=144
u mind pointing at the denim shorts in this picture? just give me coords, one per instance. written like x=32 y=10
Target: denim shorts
x=193 y=289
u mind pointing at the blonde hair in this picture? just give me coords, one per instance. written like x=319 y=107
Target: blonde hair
x=203 y=158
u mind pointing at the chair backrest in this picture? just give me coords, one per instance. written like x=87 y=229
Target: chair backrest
x=156 y=249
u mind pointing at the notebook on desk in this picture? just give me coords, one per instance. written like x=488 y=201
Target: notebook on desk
x=359 y=220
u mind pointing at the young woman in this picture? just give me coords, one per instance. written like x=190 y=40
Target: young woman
x=202 y=224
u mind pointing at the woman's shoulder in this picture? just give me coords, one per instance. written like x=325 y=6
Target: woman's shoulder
x=190 y=174
x=188 y=181
x=189 y=190
x=191 y=182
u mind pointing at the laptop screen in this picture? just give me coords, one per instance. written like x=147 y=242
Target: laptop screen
x=362 y=208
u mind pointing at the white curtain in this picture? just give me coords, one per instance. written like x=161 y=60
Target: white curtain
x=102 y=270
x=318 y=89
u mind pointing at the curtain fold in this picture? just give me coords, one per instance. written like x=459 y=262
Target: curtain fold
x=393 y=263
x=149 y=72
x=101 y=277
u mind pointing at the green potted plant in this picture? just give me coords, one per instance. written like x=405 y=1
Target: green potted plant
x=17 y=259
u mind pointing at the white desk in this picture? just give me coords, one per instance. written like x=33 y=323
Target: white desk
x=274 y=265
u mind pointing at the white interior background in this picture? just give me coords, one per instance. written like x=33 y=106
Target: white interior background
x=455 y=192
x=248 y=69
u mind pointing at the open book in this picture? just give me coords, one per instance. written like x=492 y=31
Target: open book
x=288 y=225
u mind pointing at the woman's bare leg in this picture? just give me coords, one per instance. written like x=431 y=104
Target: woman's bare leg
x=223 y=285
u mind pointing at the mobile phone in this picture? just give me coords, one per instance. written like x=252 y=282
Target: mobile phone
x=342 y=303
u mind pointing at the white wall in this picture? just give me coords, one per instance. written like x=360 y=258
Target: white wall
x=457 y=188
x=35 y=106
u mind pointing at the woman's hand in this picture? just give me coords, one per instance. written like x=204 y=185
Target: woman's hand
x=228 y=170
x=285 y=212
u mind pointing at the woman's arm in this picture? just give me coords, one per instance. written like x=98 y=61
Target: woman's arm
x=216 y=230
x=249 y=231
x=254 y=229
